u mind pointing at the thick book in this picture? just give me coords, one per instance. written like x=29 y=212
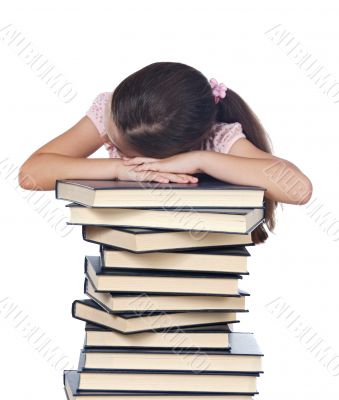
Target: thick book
x=197 y=337
x=148 y=240
x=89 y=311
x=168 y=381
x=131 y=280
x=224 y=259
x=226 y=220
x=244 y=355
x=207 y=192
x=148 y=303
x=71 y=386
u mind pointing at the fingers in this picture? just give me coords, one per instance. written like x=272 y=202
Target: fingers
x=165 y=177
x=174 y=177
x=156 y=167
x=190 y=178
x=138 y=160
x=179 y=178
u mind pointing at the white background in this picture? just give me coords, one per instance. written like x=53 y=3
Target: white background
x=97 y=44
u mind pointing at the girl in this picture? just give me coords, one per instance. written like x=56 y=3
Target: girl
x=165 y=123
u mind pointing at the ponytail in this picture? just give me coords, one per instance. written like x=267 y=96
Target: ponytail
x=234 y=109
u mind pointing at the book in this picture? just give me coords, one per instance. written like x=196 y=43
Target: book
x=167 y=380
x=71 y=386
x=227 y=220
x=207 y=192
x=200 y=337
x=131 y=280
x=89 y=311
x=148 y=303
x=244 y=355
x=220 y=259
x=148 y=240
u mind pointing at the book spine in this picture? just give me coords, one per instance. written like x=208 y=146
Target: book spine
x=83 y=232
x=81 y=361
x=85 y=265
x=56 y=191
x=73 y=309
x=102 y=255
x=85 y=286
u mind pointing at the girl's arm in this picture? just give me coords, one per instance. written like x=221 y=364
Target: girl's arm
x=65 y=157
x=244 y=164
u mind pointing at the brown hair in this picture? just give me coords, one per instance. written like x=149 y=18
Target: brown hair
x=167 y=108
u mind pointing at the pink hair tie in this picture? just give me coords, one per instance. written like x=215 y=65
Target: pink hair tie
x=218 y=90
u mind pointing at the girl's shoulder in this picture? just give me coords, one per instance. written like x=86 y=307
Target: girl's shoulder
x=223 y=136
x=97 y=111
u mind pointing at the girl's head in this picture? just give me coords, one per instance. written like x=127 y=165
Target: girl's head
x=163 y=109
x=167 y=108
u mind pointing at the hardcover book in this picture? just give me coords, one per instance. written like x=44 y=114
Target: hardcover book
x=148 y=303
x=226 y=220
x=72 y=380
x=243 y=355
x=131 y=280
x=219 y=259
x=198 y=337
x=168 y=381
x=207 y=192
x=137 y=239
x=88 y=310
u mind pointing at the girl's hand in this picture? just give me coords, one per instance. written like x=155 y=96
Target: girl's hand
x=129 y=173
x=184 y=163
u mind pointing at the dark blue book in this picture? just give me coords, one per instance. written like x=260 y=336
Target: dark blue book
x=72 y=382
x=197 y=220
x=207 y=381
x=242 y=355
x=159 y=281
x=207 y=192
x=88 y=310
x=142 y=240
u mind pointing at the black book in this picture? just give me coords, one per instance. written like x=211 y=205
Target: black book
x=243 y=355
x=139 y=240
x=207 y=192
x=215 y=259
x=72 y=380
x=148 y=303
x=88 y=310
x=198 y=337
x=167 y=380
x=226 y=220
x=131 y=280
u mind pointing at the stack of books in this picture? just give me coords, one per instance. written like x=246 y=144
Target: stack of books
x=163 y=290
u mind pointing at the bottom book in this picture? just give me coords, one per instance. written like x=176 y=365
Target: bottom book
x=72 y=380
x=168 y=381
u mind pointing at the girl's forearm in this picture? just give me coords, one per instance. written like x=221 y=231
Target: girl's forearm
x=41 y=171
x=283 y=180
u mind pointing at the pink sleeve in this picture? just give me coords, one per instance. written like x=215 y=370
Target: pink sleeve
x=96 y=112
x=224 y=136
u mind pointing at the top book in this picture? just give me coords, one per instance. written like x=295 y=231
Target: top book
x=207 y=192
